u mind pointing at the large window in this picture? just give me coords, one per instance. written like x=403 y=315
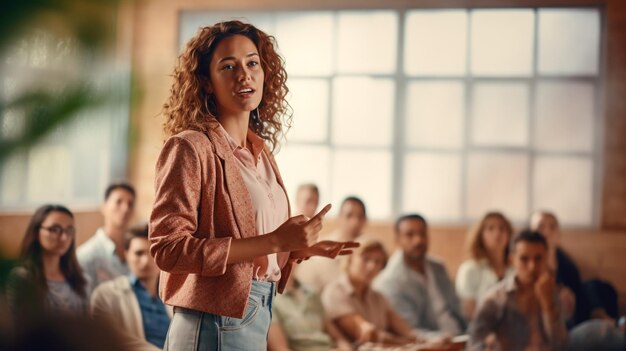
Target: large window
x=449 y=113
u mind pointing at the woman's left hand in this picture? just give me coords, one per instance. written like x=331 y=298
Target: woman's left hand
x=326 y=248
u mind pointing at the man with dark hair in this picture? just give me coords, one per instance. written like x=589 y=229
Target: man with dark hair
x=132 y=301
x=102 y=256
x=522 y=312
x=316 y=272
x=417 y=285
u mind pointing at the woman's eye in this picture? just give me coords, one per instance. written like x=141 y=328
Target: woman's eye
x=253 y=63
x=229 y=67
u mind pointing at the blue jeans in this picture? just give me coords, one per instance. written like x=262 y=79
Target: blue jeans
x=192 y=330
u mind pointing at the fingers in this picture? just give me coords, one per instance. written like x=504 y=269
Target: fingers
x=300 y=219
x=320 y=215
x=351 y=245
x=343 y=244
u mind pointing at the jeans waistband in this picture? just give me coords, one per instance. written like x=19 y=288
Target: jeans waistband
x=263 y=288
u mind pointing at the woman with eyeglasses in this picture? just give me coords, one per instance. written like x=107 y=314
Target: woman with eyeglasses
x=48 y=279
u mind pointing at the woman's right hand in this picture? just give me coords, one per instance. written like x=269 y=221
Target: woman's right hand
x=299 y=232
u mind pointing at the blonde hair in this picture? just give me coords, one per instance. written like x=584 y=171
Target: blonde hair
x=366 y=246
x=190 y=104
x=475 y=244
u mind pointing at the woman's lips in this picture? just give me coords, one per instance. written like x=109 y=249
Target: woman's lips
x=245 y=92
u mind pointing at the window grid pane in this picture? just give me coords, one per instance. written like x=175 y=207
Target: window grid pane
x=502 y=42
x=366 y=41
x=441 y=54
x=432 y=185
x=494 y=164
x=362 y=111
x=569 y=41
x=366 y=174
x=435 y=114
x=500 y=114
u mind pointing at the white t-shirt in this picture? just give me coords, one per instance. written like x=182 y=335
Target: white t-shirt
x=475 y=278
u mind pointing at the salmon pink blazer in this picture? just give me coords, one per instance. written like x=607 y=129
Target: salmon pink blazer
x=201 y=205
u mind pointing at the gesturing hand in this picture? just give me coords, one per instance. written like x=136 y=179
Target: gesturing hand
x=299 y=232
x=326 y=248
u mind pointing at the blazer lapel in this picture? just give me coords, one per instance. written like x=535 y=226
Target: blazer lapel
x=240 y=199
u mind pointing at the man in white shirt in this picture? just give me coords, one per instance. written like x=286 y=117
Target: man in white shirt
x=417 y=285
x=102 y=256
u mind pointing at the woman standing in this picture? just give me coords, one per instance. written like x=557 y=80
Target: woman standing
x=49 y=278
x=220 y=227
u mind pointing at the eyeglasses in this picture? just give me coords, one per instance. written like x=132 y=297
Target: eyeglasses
x=58 y=230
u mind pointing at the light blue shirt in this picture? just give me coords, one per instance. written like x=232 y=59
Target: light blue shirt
x=98 y=259
x=408 y=294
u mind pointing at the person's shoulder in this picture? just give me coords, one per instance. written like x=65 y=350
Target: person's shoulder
x=563 y=257
x=386 y=280
x=378 y=296
x=437 y=264
x=20 y=279
x=192 y=139
x=393 y=275
x=335 y=288
x=499 y=290
x=190 y=135
x=470 y=266
x=95 y=240
x=434 y=260
x=19 y=273
x=89 y=249
x=192 y=142
x=112 y=286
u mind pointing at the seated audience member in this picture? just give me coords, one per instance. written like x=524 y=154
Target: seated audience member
x=307 y=200
x=596 y=335
x=131 y=302
x=361 y=313
x=522 y=312
x=102 y=256
x=593 y=299
x=48 y=280
x=417 y=285
x=488 y=246
x=314 y=273
x=299 y=322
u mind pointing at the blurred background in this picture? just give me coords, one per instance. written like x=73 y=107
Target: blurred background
x=446 y=108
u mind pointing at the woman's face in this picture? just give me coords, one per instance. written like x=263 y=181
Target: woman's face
x=236 y=76
x=366 y=266
x=495 y=235
x=56 y=233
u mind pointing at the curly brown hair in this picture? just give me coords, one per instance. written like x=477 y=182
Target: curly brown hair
x=190 y=104
x=475 y=243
